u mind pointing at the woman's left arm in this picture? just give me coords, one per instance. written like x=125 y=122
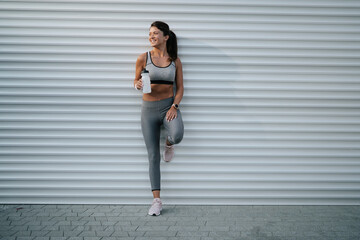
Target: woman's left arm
x=172 y=113
x=179 y=82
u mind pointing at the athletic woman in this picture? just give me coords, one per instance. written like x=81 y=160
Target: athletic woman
x=160 y=107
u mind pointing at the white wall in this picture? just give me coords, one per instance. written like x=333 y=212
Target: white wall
x=271 y=105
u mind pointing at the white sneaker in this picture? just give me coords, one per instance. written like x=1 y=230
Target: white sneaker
x=156 y=207
x=168 y=153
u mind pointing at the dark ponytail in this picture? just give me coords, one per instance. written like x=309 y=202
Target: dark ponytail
x=171 y=44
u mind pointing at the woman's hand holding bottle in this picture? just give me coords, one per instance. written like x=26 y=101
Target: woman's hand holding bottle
x=139 y=84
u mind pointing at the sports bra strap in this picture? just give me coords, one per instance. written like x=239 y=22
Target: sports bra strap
x=148 y=58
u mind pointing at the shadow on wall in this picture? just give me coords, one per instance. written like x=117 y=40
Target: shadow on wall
x=218 y=121
x=222 y=136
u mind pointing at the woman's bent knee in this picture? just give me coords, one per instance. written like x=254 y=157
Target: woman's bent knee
x=176 y=138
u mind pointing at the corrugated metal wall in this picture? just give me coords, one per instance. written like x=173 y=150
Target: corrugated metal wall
x=271 y=105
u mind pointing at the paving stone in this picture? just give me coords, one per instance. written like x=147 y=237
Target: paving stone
x=226 y=234
x=43 y=219
x=50 y=228
x=23 y=233
x=87 y=234
x=93 y=223
x=216 y=223
x=160 y=223
x=58 y=219
x=151 y=238
x=72 y=218
x=55 y=234
x=72 y=233
x=4 y=223
x=160 y=234
x=184 y=228
x=116 y=238
x=49 y=223
x=6 y=228
x=122 y=228
x=192 y=234
x=214 y=228
x=191 y=223
x=18 y=223
x=112 y=214
x=125 y=223
x=104 y=233
x=35 y=228
x=57 y=214
x=39 y=233
x=87 y=218
x=81 y=228
x=43 y=214
x=131 y=214
x=24 y=238
x=108 y=223
x=63 y=223
x=152 y=228
x=136 y=234
x=224 y=238
x=184 y=238
x=20 y=228
x=8 y=233
x=67 y=228
x=206 y=219
x=97 y=228
x=101 y=218
x=123 y=219
x=119 y=234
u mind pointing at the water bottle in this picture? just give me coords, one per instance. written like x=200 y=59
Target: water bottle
x=146 y=81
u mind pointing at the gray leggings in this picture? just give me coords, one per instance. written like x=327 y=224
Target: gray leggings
x=152 y=117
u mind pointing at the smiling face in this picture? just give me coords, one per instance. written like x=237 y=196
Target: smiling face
x=156 y=37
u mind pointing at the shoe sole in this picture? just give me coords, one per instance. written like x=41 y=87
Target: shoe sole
x=154 y=214
x=164 y=158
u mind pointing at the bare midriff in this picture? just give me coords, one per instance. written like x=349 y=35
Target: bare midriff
x=159 y=92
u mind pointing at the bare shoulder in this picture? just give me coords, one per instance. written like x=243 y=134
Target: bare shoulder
x=142 y=58
x=178 y=62
x=141 y=61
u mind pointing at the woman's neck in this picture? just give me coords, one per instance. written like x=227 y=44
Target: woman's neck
x=160 y=51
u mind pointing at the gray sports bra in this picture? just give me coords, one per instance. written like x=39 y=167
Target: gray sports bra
x=160 y=75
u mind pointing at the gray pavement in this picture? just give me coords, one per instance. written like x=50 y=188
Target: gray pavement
x=131 y=222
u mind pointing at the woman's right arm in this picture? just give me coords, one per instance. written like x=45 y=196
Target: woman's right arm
x=140 y=63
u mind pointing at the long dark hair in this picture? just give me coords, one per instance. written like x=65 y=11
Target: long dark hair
x=171 y=44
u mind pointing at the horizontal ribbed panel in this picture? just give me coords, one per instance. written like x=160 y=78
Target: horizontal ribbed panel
x=271 y=106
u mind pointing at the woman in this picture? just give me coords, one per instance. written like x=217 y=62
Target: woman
x=160 y=107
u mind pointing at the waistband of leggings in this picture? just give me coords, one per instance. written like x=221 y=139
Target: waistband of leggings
x=158 y=104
